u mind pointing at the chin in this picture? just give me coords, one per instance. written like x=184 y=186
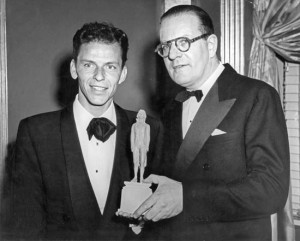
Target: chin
x=180 y=81
x=97 y=102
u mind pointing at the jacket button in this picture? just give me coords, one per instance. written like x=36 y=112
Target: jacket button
x=206 y=166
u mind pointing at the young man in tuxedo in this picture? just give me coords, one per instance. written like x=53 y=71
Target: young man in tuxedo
x=71 y=164
x=226 y=144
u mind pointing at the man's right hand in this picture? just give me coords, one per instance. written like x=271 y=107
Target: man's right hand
x=165 y=202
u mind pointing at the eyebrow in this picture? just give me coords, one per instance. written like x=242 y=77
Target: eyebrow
x=114 y=62
x=92 y=61
x=171 y=40
x=86 y=60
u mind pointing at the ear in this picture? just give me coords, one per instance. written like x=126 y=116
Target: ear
x=212 y=42
x=73 y=70
x=123 y=74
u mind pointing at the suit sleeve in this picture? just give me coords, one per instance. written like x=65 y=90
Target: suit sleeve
x=28 y=193
x=264 y=188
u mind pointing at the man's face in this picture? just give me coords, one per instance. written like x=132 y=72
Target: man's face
x=189 y=69
x=99 y=71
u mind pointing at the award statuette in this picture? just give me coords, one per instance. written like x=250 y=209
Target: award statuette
x=135 y=192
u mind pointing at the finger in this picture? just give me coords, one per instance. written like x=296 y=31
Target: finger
x=158 y=217
x=159 y=212
x=145 y=206
x=155 y=216
x=153 y=179
x=123 y=214
x=153 y=212
x=141 y=211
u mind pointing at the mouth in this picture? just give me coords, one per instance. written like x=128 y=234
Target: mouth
x=179 y=67
x=98 y=88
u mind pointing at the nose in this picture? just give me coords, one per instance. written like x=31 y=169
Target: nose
x=99 y=74
x=174 y=52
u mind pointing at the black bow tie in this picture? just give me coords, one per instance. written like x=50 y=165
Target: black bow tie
x=185 y=95
x=101 y=128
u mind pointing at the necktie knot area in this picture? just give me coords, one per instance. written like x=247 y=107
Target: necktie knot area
x=185 y=95
x=102 y=128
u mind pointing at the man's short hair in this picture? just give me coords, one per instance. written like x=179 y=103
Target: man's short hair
x=206 y=24
x=103 y=33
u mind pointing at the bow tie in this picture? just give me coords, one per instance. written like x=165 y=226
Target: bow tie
x=101 y=128
x=185 y=95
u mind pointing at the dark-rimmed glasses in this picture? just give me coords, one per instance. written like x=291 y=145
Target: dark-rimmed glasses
x=183 y=44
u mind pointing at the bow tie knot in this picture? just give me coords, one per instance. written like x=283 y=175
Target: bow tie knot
x=185 y=95
x=101 y=128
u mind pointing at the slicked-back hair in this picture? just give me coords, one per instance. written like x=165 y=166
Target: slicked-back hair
x=103 y=33
x=205 y=22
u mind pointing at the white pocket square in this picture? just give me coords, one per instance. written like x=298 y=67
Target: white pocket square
x=217 y=132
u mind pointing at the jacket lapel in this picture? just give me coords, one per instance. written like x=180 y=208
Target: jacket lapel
x=173 y=136
x=123 y=166
x=175 y=124
x=85 y=207
x=208 y=117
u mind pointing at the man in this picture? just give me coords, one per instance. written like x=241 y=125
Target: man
x=71 y=164
x=227 y=154
x=140 y=139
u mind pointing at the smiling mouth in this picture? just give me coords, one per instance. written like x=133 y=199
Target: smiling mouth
x=98 y=88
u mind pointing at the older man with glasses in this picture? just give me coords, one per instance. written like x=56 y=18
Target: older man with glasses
x=226 y=162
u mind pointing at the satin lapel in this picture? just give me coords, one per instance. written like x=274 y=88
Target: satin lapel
x=208 y=117
x=175 y=125
x=84 y=202
x=123 y=164
x=173 y=136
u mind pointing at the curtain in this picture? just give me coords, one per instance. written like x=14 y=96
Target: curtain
x=276 y=30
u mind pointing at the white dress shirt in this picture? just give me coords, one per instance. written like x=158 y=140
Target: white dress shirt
x=98 y=156
x=191 y=106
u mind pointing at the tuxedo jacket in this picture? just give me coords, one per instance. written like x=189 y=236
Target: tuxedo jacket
x=233 y=162
x=52 y=194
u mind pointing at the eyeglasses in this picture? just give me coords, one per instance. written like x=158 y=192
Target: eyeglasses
x=183 y=44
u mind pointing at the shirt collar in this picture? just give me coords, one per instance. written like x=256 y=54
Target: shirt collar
x=206 y=86
x=84 y=117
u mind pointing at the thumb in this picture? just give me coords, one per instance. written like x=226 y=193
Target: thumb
x=153 y=179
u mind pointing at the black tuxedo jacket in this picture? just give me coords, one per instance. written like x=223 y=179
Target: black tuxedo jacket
x=52 y=194
x=233 y=162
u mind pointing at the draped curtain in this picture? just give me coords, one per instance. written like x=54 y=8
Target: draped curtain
x=276 y=30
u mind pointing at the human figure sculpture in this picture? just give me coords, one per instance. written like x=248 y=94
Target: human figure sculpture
x=140 y=139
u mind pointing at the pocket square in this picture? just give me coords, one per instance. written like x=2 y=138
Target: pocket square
x=217 y=132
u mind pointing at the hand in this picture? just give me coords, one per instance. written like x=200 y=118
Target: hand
x=137 y=226
x=124 y=214
x=165 y=202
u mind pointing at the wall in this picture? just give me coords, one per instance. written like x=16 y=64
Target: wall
x=39 y=36
x=212 y=8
